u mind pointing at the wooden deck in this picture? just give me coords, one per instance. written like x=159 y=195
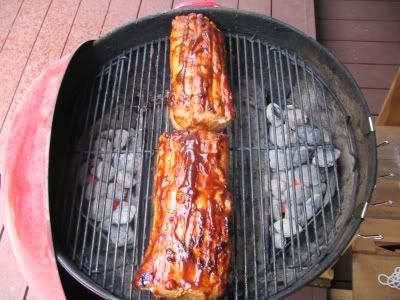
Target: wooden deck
x=365 y=36
x=36 y=33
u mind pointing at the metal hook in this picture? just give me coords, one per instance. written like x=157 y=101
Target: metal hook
x=384 y=143
x=387 y=203
x=387 y=175
x=371 y=236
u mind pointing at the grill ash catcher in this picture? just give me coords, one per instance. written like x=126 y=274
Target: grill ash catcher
x=302 y=158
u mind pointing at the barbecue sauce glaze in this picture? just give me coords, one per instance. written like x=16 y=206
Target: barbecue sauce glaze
x=200 y=96
x=189 y=249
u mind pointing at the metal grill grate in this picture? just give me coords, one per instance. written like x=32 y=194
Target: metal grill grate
x=130 y=94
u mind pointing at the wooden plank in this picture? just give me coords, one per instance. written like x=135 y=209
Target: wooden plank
x=298 y=13
x=365 y=52
x=153 y=7
x=8 y=14
x=372 y=76
x=366 y=269
x=87 y=24
x=387 y=189
x=17 y=48
x=120 y=11
x=261 y=7
x=358 y=10
x=48 y=46
x=308 y=293
x=389 y=115
x=224 y=3
x=392 y=134
x=349 y=30
x=12 y=283
x=385 y=227
x=375 y=99
x=338 y=294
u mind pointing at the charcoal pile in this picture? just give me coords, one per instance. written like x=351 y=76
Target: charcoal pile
x=109 y=179
x=301 y=157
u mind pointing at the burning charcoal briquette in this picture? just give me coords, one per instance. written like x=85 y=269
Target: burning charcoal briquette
x=276 y=209
x=325 y=157
x=309 y=174
x=296 y=213
x=104 y=171
x=122 y=237
x=135 y=140
x=296 y=117
x=294 y=157
x=286 y=227
x=279 y=241
x=309 y=135
x=277 y=159
x=127 y=213
x=95 y=190
x=274 y=114
x=309 y=205
x=121 y=138
x=298 y=194
x=99 y=207
x=278 y=184
x=115 y=191
x=299 y=155
x=103 y=146
x=125 y=160
x=281 y=136
x=107 y=134
x=126 y=179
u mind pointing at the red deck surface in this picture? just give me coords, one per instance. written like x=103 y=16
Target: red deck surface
x=36 y=33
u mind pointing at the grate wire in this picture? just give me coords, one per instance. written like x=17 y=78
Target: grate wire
x=130 y=93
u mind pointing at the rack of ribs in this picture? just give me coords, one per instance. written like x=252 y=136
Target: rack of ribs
x=189 y=249
x=200 y=96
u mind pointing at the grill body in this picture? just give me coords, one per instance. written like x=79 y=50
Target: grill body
x=96 y=83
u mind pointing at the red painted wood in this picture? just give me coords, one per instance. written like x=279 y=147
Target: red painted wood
x=8 y=13
x=153 y=7
x=224 y=3
x=349 y=30
x=298 y=13
x=359 y=10
x=48 y=46
x=120 y=11
x=375 y=99
x=88 y=23
x=12 y=283
x=17 y=48
x=373 y=76
x=261 y=7
x=365 y=52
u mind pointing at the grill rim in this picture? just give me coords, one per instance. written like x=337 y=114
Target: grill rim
x=103 y=51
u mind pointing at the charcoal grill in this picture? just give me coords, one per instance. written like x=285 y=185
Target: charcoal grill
x=121 y=81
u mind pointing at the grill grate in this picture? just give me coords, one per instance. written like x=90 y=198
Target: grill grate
x=129 y=93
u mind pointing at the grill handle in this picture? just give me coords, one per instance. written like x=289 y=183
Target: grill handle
x=201 y=3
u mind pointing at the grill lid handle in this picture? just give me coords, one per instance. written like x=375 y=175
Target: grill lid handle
x=201 y=3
